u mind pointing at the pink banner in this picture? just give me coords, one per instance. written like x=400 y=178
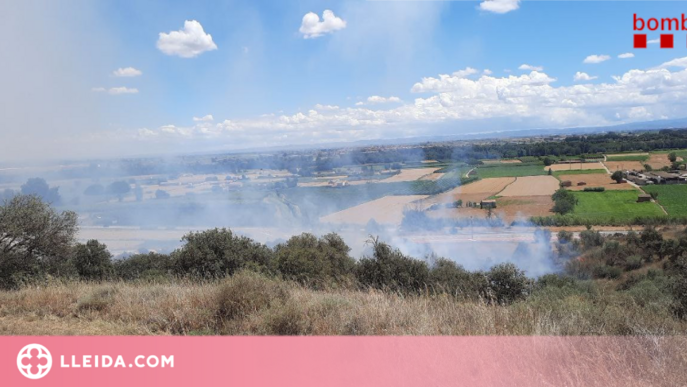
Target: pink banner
x=341 y=361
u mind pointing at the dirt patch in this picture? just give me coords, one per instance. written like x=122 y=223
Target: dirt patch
x=660 y=160
x=386 y=210
x=624 y=165
x=594 y=180
x=409 y=175
x=473 y=192
x=531 y=186
x=574 y=166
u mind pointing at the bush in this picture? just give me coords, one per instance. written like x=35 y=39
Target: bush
x=144 y=266
x=564 y=201
x=564 y=236
x=507 y=283
x=591 y=238
x=92 y=260
x=445 y=276
x=218 y=252
x=633 y=262
x=391 y=270
x=315 y=262
x=594 y=189
x=605 y=271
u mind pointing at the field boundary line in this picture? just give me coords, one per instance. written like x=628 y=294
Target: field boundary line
x=504 y=188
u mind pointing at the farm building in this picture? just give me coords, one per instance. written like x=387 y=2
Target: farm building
x=484 y=204
x=660 y=177
x=566 y=183
x=643 y=198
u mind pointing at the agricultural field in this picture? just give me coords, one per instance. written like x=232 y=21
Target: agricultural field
x=386 y=210
x=502 y=161
x=624 y=166
x=594 y=180
x=628 y=157
x=574 y=166
x=660 y=160
x=579 y=172
x=409 y=175
x=619 y=205
x=514 y=170
x=473 y=192
x=673 y=198
x=531 y=186
x=522 y=207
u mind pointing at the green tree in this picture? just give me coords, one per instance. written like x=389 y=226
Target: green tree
x=507 y=283
x=617 y=176
x=119 y=189
x=389 y=269
x=33 y=236
x=148 y=266
x=92 y=260
x=672 y=157
x=564 y=201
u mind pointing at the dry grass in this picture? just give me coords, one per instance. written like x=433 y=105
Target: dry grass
x=254 y=305
x=531 y=186
x=386 y=210
x=574 y=166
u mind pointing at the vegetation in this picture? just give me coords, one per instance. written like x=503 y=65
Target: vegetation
x=671 y=197
x=564 y=201
x=641 y=158
x=612 y=205
x=594 y=189
x=617 y=176
x=579 y=172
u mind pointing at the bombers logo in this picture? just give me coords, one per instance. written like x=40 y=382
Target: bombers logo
x=34 y=361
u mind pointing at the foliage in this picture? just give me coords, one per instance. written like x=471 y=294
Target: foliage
x=143 y=266
x=594 y=189
x=507 y=283
x=617 y=176
x=92 y=260
x=306 y=259
x=32 y=235
x=564 y=201
x=219 y=252
x=389 y=269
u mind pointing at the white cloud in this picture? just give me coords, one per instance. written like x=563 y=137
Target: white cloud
x=487 y=72
x=127 y=72
x=654 y=41
x=499 y=6
x=626 y=55
x=579 y=76
x=188 y=42
x=596 y=58
x=207 y=118
x=312 y=27
x=679 y=62
x=326 y=107
x=115 y=90
x=527 y=67
x=377 y=99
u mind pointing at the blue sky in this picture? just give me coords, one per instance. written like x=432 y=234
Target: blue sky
x=265 y=81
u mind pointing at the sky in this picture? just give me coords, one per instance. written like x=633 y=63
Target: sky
x=88 y=79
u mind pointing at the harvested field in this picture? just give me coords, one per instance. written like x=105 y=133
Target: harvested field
x=507 y=208
x=386 y=210
x=660 y=160
x=594 y=180
x=574 y=166
x=474 y=192
x=409 y=175
x=624 y=165
x=531 y=186
x=627 y=154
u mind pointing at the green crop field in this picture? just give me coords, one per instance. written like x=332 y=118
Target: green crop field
x=671 y=197
x=504 y=170
x=628 y=158
x=619 y=205
x=579 y=172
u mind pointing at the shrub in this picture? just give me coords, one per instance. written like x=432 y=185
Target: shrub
x=594 y=189
x=633 y=262
x=591 y=238
x=92 y=260
x=315 y=262
x=445 y=276
x=143 y=266
x=605 y=271
x=390 y=269
x=564 y=201
x=564 y=236
x=219 y=252
x=507 y=283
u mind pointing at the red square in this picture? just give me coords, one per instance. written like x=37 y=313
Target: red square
x=640 y=40
x=666 y=40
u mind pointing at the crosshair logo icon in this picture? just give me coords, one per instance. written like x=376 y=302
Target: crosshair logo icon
x=34 y=361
